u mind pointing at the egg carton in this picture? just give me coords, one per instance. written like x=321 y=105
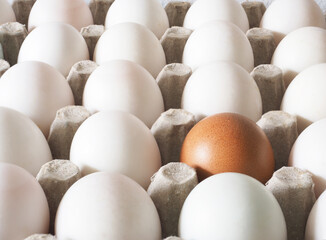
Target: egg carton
x=173 y=125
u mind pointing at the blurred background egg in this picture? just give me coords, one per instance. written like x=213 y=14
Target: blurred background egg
x=231 y=206
x=23 y=206
x=218 y=40
x=203 y=11
x=228 y=142
x=285 y=16
x=57 y=44
x=119 y=142
x=133 y=42
x=149 y=13
x=222 y=87
x=105 y=206
x=37 y=90
x=6 y=12
x=73 y=12
x=22 y=142
x=126 y=86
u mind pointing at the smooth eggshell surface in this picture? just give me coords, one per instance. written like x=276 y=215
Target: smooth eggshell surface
x=105 y=206
x=118 y=142
x=22 y=142
x=73 y=12
x=6 y=12
x=308 y=153
x=126 y=86
x=316 y=224
x=218 y=40
x=133 y=42
x=222 y=87
x=285 y=16
x=299 y=50
x=37 y=90
x=231 y=206
x=23 y=206
x=57 y=44
x=228 y=142
x=203 y=11
x=305 y=97
x=149 y=13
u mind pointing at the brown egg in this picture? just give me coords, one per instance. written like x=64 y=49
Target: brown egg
x=228 y=142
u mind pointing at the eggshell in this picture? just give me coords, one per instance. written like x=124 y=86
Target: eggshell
x=37 y=90
x=126 y=86
x=6 y=12
x=23 y=206
x=305 y=97
x=73 y=12
x=308 y=153
x=105 y=206
x=316 y=224
x=203 y=11
x=133 y=42
x=218 y=40
x=22 y=142
x=149 y=13
x=57 y=44
x=222 y=87
x=285 y=16
x=299 y=50
x=228 y=142
x=231 y=206
x=116 y=141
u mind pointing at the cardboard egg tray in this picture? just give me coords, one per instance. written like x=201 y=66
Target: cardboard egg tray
x=173 y=125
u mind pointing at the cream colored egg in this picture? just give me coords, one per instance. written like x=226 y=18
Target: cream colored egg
x=23 y=206
x=119 y=142
x=73 y=12
x=231 y=206
x=305 y=97
x=285 y=16
x=218 y=40
x=149 y=13
x=133 y=42
x=203 y=11
x=222 y=87
x=6 y=12
x=299 y=50
x=37 y=90
x=22 y=142
x=57 y=44
x=126 y=86
x=105 y=206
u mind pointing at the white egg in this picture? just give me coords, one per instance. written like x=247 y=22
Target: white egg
x=6 y=12
x=105 y=206
x=203 y=11
x=22 y=142
x=218 y=40
x=23 y=206
x=222 y=87
x=116 y=141
x=285 y=16
x=149 y=13
x=133 y=42
x=308 y=153
x=305 y=97
x=57 y=44
x=73 y=12
x=316 y=224
x=231 y=206
x=299 y=50
x=37 y=90
x=126 y=86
